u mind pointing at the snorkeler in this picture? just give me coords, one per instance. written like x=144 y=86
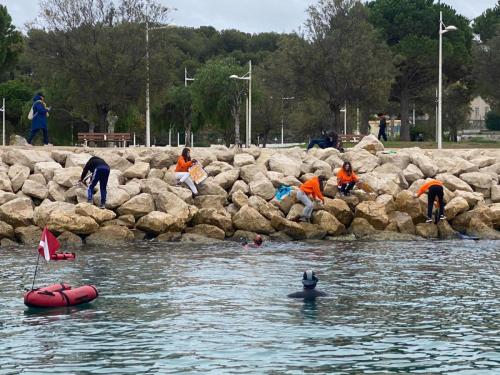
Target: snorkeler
x=309 y=280
x=257 y=242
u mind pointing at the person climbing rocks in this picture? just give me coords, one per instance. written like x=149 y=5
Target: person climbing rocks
x=309 y=281
x=38 y=116
x=329 y=140
x=184 y=162
x=346 y=179
x=100 y=174
x=435 y=190
x=311 y=189
x=382 y=127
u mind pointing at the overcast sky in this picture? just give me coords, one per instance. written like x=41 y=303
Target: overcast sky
x=247 y=15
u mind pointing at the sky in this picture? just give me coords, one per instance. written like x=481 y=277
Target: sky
x=251 y=16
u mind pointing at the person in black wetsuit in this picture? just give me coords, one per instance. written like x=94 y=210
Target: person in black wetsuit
x=329 y=140
x=100 y=174
x=382 y=128
x=309 y=280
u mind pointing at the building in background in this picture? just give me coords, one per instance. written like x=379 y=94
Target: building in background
x=479 y=109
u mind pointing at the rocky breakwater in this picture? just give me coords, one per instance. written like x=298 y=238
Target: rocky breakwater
x=237 y=200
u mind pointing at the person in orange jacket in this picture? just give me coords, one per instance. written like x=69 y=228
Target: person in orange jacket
x=312 y=188
x=184 y=162
x=434 y=189
x=346 y=179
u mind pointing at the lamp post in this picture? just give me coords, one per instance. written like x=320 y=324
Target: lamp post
x=3 y=121
x=443 y=29
x=345 y=117
x=247 y=77
x=148 y=119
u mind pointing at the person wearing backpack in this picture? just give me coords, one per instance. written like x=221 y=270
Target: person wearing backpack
x=38 y=116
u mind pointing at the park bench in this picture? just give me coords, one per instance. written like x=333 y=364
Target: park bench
x=120 y=138
x=350 y=138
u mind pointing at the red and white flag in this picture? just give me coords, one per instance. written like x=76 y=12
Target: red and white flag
x=48 y=244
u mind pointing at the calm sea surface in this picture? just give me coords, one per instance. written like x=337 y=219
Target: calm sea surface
x=425 y=307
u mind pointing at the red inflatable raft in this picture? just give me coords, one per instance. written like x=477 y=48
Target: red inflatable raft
x=59 y=295
x=63 y=256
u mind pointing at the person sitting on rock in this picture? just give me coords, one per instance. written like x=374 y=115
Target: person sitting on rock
x=312 y=188
x=257 y=242
x=346 y=179
x=309 y=281
x=100 y=174
x=184 y=162
x=434 y=189
x=329 y=140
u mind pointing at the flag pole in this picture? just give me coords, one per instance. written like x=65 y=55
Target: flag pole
x=36 y=269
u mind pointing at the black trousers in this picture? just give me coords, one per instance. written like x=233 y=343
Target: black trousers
x=381 y=134
x=434 y=192
x=346 y=188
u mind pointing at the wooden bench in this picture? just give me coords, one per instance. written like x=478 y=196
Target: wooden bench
x=350 y=138
x=122 y=138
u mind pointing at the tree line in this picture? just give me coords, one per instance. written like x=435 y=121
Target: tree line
x=88 y=58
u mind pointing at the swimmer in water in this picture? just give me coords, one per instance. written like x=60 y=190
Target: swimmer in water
x=309 y=280
x=257 y=242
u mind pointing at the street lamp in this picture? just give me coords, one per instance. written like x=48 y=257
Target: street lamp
x=247 y=77
x=345 y=117
x=443 y=29
x=186 y=79
x=3 y=121
x=148 y=120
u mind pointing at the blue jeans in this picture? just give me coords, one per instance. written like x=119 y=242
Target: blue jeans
x=321 y=143
x=100 y=175
x=45 y=135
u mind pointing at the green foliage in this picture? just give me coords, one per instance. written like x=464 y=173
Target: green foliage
x=456 y=109
x=493 y=121
x=11 y=42
x=487 y=70
x=487 y=24
x=18 y=95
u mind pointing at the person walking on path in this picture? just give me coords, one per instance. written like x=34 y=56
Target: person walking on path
x=309 y=281
x=184 y=162
x=434 y=189
x=40 y=112
x=100 y=174
x=382 y=127
x=346 y=179
x=312 y=188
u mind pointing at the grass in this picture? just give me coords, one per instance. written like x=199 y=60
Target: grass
x=479 y=143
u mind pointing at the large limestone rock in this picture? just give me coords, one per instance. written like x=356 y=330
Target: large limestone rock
x=455 y=207
x=453 y=183
x=482 y=213
x=210 y=231
x=67 y=177
x=164 y=159
x=295 y=212
x=276 y=178
x=226 y=179
x=69 y=240
x=35 y=189
x=400 y=159
x=77 y=160
x=18 y=174
x=115 y=161
x=24 y=157
x=239 y=199
x=424 y=163
x=284 y=164
x=290 y=228
x=5 y=184
x=266 y=209
x=248 y=172
x=484 y=161
x=331 y=188
x=387 y=201
x=361 y=228
x=38 y=177
x=205 y=157
x=477 y=179
x=406 y=202
x=495 y=215
x=427 y=230
x=43 y=211
x=184 y=193
x=463 y=166
x=138 y=206
x=47 y=169
x=412 y=173
x=156 y=222
x=480 y=229
x=173 y=205
x=386 y=183
x=6 y=230
x=495 y=193
x=29 y=235
x=369 y=143
x=374 y=213
x=340 y=209
x=446 y=232
x=60 y=155
x=239 y=186
x=329 y=223
x=6 y=197
x=154 y=186
x=218 y=167
x=210 y=201
x=222 y=153
x=211 y=188
x=313 y=231
x=243 y=159
x=99 y=215
x=110 y=234
x=402 y=221
x=248 y=218
x=17 y=212
x=263 y=188
x=362 y=161
x=115 y=198
x=473 y=199
x=61 y=222
x=211 y=216
x=137 y=170
x=334 y=161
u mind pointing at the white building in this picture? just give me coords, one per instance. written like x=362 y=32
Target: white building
x=479 y=109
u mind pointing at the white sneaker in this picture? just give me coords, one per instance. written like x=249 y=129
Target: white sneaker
x=428 y=220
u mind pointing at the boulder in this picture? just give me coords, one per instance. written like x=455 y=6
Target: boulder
x=248 y=172
x=17 y=140
x=445 y=231
x=5 y=184
x=374 y=213
x=484 y=161
x=211 y=188
x=412 y=173
x=68 y=239
x=427 y=230
x=138 y=206
x=402 y=222
x=239 y=186
x=35 y=189
x=153 y=186
x=424 y=163
x=17 y=212
x=239 y=199
x=495 y=215
x=169 y=237
x=473 y=199
x=313 y=232
x=362 y=161
x=164 y=159
x=290 y=228
x=137 y=170
x=453 y=183
x=67 y=177
x=115 y=198
x=361 y=228
x=248 y=218
x=47 y=169
x=18 y=174
x=25 y=157
x=463 y=166
x=6 y=230
x=110 y=234
x=77 y=160
x=243 y=159
x=6 y=197
x=213 y=169
x=455 y=207
x=482 y=213
x=197 y=239
x=210 y=201
x=478 y=228
x=115 y=161
x=173 y=205
x=204 y=156
x=185 y=194
x=29 y=235
x=59 y=222
x=210 y=231
x=400 y=159
x=334 y=161
x=387 y=201
x=263 y=188
x=226 y=179
x=369 y=143
x=222 y=153
x=284 y=164
x=340 y=209
x=38 y=177
x=43 y=211
x=156 y=222
x=211 y=216
x=478 y=179
x=329 y=223
x=495 y=193
x=132 y=188
x=60 y=155
x=406 y=202
x=99 y=215
x=331 y=189
x=266 y=209
x=295 y=212
x=156 y=173
x=276 y=178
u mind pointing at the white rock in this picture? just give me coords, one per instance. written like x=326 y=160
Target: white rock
x=243 y=159
x=18 y=174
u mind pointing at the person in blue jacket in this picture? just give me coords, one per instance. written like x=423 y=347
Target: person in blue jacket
x=39 y=121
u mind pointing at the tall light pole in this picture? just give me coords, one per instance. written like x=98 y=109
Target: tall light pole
x=443 y=29
x=345 y=117
x=247 y=77
x=148 y=119
x=187 y=78
x=3 y=121
x=282 y=116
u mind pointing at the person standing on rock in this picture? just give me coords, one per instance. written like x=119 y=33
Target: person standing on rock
x=346 y=179
x=311 y=189
x=39 y=113
x=100 y=174
x=309 y=281
x=382 y=127
x=184 y=162
x=434 y=189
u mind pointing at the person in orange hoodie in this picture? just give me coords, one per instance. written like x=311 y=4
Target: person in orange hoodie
x=434 y=189
x=346 y=179
x=184 y=162
x=312 y=188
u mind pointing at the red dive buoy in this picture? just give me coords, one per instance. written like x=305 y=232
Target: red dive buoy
x=63 y=256
x=59 y=295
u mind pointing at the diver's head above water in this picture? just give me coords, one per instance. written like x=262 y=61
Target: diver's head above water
x=309 y=280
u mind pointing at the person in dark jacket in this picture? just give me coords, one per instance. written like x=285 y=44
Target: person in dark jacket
x=309 y=280
x=329 y=140
x=100 y=174
x=39 y=120
x=382 y=127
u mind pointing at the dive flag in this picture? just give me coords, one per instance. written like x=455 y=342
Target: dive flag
x=48 y=244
